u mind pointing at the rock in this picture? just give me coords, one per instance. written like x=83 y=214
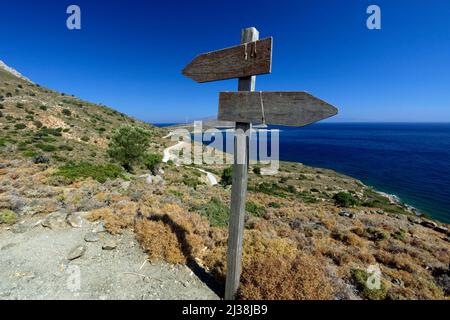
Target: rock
x=125 y=185
x=74 y=220
x=429 y=224
x=109 y=245
x=414 y=220
x=20 y=228
x=40 y=159
x=381 y=212
x=99 y=227
x=347 y=214
x=91 y=237
x=441 y=229
x=55 y=220
x=12 y=201
x=154 y=180
x=3 y=166
x=398 y=282
x=76 y=252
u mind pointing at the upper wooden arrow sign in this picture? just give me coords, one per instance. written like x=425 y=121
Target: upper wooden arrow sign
x=244 y=60
x=281 y=108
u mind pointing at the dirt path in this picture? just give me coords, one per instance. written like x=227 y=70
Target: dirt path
x=34 y=265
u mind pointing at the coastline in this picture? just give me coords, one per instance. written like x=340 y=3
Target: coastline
x=393 y=198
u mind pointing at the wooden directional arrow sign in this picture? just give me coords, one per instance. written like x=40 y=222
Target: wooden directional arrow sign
x=244 y=60
x=279 y=107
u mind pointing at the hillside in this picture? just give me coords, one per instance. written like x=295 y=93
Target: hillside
x=310 y=233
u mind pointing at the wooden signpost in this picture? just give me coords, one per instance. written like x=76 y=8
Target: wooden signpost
x=245 y=61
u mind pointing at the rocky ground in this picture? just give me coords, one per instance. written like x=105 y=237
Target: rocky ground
x=49 y=259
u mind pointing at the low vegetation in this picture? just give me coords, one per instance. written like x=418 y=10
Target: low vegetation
x=74 y=171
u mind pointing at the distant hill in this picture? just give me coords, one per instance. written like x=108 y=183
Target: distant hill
x=36 y=120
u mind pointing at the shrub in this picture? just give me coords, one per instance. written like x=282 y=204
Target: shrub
x=274 y=205
x=30 y=154
x=85 y=138
x=227 y=177
x=20 y=126
x=274 y=269
x=44 y=108
x=399 y=235
x=152 y=161
x=360 y=278
x=345 y=199
x=66 y=112
x=128 y=144
x=191 y=182
x=254 y=209
x=65 y=147
x=75 y=171
x=8 y=216
x=19 y=105
x=37 y=124
x=46 y=147
x=257 y=170
x=377 y=234
x=216 y=212
x=1 y=106
x=50 y=131
x=1 y=114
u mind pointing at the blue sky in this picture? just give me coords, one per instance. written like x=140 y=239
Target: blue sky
x=129 y=54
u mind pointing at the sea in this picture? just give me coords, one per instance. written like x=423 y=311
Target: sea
x=408 y=160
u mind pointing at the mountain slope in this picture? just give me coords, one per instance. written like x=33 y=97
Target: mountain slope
x=35 y=120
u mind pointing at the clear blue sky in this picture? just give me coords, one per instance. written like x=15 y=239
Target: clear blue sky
x=129 y=53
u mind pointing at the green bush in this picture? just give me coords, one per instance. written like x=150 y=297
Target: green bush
x=8 y=216
x=45 y=147
x=30 y=154
x=128 y=145
x=227 y=177
x=1 y=114
x=65 y=147
x=19 y=105
x=345 y=199
x=274 y=205
x=216 y=212
x=360 y=279
x=38 y=124
x=50 y=131
x=85 y=138
x=255 y=209
x=20 y=126
x=191 y=182
x=377 y=234
x=44 y=108
x=152 y=161
x=75 y=171
x=1 y=106
x=66 y=112
x=399 y=235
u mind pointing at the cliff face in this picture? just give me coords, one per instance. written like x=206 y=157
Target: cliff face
x=310 y=233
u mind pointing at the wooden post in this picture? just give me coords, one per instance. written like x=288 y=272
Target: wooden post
x=239 y=188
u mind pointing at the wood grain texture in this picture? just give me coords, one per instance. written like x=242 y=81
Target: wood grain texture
x=244 y=60
x=289 y=108
x=239 y=187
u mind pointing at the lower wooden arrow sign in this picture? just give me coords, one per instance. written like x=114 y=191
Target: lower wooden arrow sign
x=289 y=108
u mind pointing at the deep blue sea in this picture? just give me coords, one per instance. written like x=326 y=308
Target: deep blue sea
x=409 y=160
